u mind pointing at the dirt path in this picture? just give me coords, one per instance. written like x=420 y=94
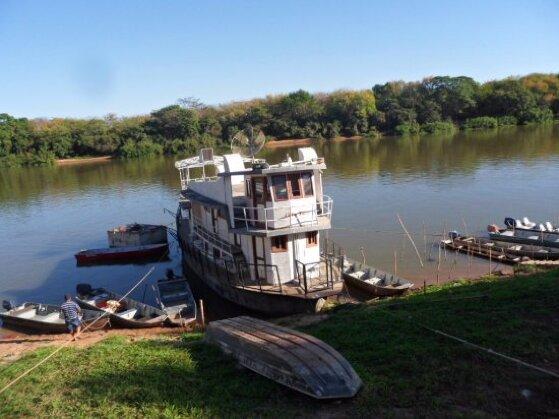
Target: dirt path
x=13 y=345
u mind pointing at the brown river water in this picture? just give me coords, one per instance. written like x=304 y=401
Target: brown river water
x=435 y=183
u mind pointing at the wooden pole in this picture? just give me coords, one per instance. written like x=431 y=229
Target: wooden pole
x=412 y=242
x=444 y=237
x=395 y=263
x=424 y=242
x=439 y=264
x=202 y=313
x=424 y=287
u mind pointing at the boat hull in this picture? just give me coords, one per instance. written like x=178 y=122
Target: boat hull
x=294 y=359
x=157 y=319
x=372 y=289
x=137 y=235
x=505 y=252
x=176 y=300
x=121 y=254
x=272 y=304
x=547 y=240
x=90 y=319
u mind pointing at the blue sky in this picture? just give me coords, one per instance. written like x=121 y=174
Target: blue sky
x=89 y=58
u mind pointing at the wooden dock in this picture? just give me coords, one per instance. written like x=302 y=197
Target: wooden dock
x=294 y=359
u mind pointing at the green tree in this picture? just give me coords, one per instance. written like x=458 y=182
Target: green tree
x=174 y=122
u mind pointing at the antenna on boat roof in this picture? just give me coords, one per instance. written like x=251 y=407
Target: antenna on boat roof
x=247 y=143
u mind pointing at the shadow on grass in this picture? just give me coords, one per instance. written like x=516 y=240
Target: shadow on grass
x=189 y=378
x=406 y=370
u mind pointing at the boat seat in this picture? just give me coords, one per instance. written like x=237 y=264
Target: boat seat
x=373 y=281
x=128 y=314
x=508 y=233
x=28 y=313
x=173 y=295
x=51 y=317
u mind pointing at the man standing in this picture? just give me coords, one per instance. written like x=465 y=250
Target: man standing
x=71 y=313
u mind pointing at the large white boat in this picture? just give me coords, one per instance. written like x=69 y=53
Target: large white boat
x=251 y=231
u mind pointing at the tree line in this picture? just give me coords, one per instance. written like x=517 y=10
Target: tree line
x=433 y=105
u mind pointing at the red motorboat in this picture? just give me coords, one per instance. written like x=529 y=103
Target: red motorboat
x=122 y=254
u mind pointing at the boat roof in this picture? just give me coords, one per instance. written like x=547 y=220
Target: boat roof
x=308 y=159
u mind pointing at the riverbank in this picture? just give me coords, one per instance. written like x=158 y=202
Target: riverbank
x=83 y=160
x=407 y=370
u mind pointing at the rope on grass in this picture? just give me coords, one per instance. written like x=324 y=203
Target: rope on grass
x=492 y=352
x=65 y=344
x=482 y=348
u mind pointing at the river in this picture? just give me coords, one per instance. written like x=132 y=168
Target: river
x=435 y=183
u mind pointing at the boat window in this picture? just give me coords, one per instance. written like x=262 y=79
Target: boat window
x=259 y=189
x=294 y=185
x=312 y=238
x=279 y=185
x=248 y=188
x=215 y=214
x=279 y=244
x=307 y=183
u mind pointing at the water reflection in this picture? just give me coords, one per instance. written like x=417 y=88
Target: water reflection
x=438 y=183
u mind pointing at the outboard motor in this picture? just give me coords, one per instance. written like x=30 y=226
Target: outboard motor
x=453 y=234
x=510 y=222
x=8 y=305
x=83 y=289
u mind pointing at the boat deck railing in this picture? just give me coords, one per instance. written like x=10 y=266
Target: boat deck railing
x=282 y=216
x=318 y=276
x=265 y=277
x=212 y=238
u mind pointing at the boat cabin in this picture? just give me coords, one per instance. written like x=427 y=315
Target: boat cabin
x=269 y=216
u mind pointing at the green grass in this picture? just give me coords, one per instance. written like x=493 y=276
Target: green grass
x=406 y=370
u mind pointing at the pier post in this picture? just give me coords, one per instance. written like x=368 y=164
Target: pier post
x=202 y=314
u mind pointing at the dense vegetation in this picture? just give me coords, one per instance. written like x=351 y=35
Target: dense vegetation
x=436 y=104
x=407 y=371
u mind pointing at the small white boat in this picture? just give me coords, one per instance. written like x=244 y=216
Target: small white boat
x=374 y=281
x=122 y=311
x=177 y=301
x=46 y=318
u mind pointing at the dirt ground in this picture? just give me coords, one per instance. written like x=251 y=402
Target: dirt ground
x=13 y=345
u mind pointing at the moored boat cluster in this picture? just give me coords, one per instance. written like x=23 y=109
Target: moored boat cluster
x=519 y=242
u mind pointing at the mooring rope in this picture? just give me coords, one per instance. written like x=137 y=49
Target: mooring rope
x=479 y=347
x=65 y=344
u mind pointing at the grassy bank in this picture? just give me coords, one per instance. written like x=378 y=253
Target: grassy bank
x=406 y=370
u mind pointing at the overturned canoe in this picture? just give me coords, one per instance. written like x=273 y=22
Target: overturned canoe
x=294 y=359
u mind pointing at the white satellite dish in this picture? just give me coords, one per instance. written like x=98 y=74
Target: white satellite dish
x=247 y=143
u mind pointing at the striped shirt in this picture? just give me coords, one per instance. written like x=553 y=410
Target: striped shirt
x=70 y=310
